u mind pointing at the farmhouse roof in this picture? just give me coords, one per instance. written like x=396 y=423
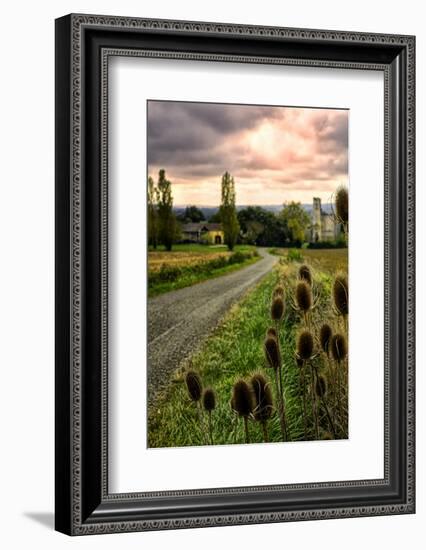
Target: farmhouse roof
x=195 y=227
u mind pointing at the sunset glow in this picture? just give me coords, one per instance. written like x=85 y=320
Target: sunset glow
x=276 y=154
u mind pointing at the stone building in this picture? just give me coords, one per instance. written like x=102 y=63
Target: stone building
x=324 y=226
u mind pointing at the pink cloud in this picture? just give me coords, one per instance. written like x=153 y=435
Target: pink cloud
x=275 y=153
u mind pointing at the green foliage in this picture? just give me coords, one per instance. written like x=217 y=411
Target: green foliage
x=296 y=221
x=153 y=219
x=261 y=227
x=338 y=243
x=191 y=214
x=167 y=220
x=215 y=218
x=293 y=255
x=228 y=212
x=170 y=277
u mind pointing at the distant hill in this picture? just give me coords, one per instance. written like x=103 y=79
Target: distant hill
x=209 y=211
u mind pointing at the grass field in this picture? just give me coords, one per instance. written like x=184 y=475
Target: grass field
x=328 y=260
x=188 y=264
x=235 y=350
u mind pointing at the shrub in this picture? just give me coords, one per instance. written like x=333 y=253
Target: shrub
x=339 y=243
x=237 y=257
x=294 y=255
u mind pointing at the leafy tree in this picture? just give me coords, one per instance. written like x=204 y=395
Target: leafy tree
x=262 y=227
x=192 y=214
x=215 y=218
x=153 y=221
x=296 y=221
x=228 y=212
x=167 y=220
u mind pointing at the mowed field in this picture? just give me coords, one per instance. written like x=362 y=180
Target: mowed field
x=329 y=260
x=235 y=350
x=188 y=264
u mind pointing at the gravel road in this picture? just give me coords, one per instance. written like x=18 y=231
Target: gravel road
x=180 y=320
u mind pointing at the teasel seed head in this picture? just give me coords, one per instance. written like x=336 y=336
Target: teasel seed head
x=339 y=347
x=263 y=402
x=194 y=385
x=321 y=386
x=305 y=345
x=341 y=294
x=303 y=296
x=342 y=204
x=325 y=337
x=277 y=308
x=242 y=398
x=209 y=400
x=272 y=352
x=305 y=274
x=272 y=331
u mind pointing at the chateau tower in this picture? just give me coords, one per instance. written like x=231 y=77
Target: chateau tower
x=316 y=220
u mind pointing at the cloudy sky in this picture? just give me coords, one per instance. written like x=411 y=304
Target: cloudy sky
x=276 y=154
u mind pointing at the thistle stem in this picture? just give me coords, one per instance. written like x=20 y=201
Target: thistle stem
x=329 y=418
x=339 y=407
x=210 y=427
x=280 y=374
x=200 y=419
x=304 y=401
x=265 y=432
x=280 y=407
x=281 y=387
x=314 y=402
x=246 y=432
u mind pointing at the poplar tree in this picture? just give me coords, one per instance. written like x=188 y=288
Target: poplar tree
x=228 y=211
x=167 y=221
x=153 y=220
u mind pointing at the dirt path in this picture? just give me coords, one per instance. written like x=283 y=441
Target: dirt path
x=180 y=320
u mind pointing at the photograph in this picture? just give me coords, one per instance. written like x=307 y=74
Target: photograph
x=247 y=273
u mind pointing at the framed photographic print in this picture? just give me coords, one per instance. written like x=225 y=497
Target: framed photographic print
x=234 y=274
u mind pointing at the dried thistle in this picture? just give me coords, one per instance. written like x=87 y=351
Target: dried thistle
x=305 y=274
x=209 y=403
x=262 y=397
x=242 y=398
x=303 y=296
x=339 y=347
x=305 y=345
x=194 y=385
x=272 y=352
x=342 y=204
x=325 y=337
x=341 y=294
x=209 y=400
x=277 y=308
x=243 y=403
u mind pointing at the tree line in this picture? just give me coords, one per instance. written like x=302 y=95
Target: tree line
x=251 y=225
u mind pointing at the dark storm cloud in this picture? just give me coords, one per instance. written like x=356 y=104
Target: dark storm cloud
x=184 y=133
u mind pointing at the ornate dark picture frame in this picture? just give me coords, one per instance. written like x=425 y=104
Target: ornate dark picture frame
x=84 y=44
